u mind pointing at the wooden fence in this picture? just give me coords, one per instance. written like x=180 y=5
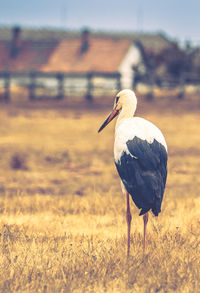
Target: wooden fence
x=54 y=84
x=168 y=82
x=57 y=85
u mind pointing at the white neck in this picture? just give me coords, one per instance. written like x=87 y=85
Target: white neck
x=127 y=111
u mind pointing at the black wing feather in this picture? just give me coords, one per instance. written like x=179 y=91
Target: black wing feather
x=143 y=173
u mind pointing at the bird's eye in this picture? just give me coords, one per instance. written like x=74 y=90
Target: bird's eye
x=117 y=99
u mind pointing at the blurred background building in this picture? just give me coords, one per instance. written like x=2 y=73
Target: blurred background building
x=58 y=62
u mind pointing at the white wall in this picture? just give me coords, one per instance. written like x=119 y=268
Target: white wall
x=132 y=58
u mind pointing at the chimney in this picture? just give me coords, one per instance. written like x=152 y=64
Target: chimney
x=15 y=42
x=85 y=41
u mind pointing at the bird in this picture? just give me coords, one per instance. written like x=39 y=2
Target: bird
x=140 y=155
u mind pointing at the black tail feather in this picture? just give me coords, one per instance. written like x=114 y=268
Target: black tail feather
x=144 y=211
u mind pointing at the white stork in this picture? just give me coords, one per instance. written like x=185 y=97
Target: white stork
x=140 y=153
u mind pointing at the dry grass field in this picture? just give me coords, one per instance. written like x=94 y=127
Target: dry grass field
x=62 y=213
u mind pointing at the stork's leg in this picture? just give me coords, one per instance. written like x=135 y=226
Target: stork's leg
x=128 y=219
x=145 y=219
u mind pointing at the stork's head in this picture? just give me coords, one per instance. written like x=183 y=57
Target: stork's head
x=125 y=100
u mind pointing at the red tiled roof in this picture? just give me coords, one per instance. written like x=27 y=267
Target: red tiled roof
x=103 y=54
x=31 y=56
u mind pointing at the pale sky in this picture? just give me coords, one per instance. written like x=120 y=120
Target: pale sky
x=178 y=18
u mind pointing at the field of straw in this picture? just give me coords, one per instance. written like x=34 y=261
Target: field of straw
x=62 y=213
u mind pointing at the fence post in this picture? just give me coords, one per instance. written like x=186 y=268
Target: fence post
x=150 y=95
x=7 y=86
x=119 y=82
x=181 y=86
x=135 y=77
x=32 y=86
x=88 y=95
x=60 y=78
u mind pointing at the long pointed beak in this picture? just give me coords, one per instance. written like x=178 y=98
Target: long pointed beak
x=112 y=115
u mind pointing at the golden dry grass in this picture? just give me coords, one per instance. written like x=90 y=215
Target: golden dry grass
x=62 y=213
